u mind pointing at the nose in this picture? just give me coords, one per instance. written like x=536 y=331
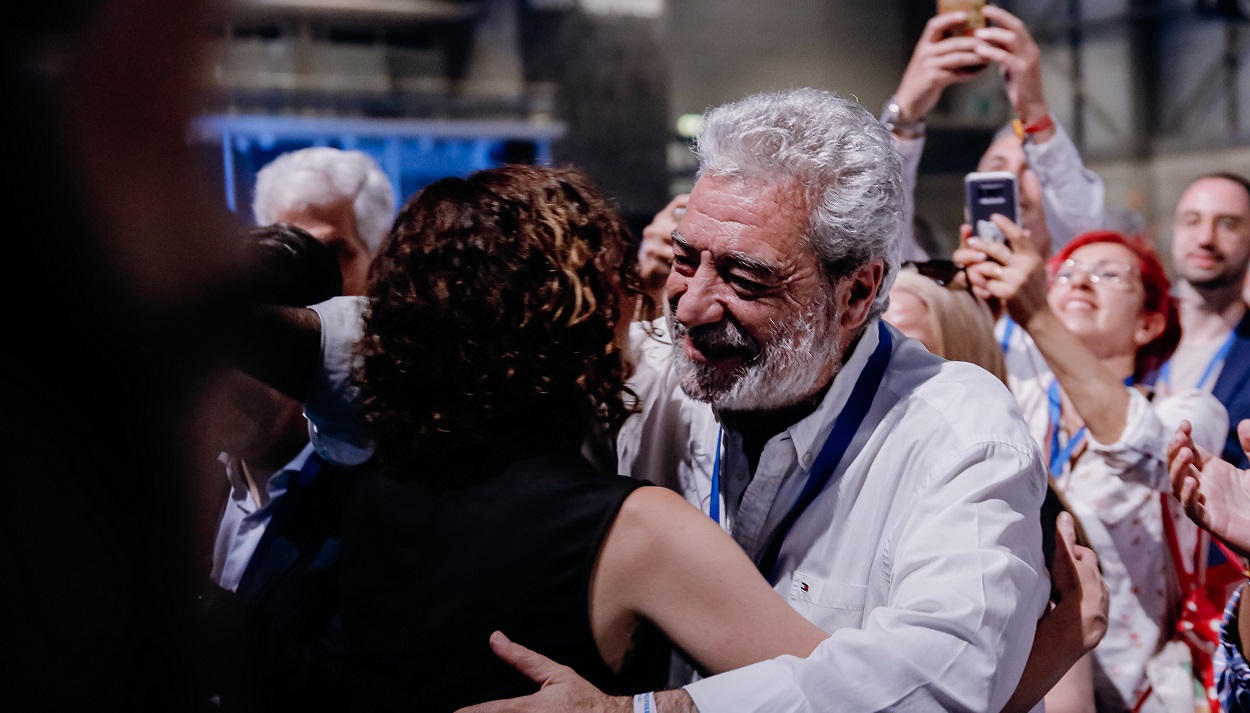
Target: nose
x=1081 y=279
x=1210 y=231
x=697 y=299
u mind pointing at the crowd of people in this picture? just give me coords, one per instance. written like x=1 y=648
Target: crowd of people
x=488 y=452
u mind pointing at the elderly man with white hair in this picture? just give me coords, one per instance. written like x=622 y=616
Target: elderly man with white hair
x=342 y=198
x=891 y=497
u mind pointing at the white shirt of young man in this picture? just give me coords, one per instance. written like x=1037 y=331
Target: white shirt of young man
x=921 y=558
x=1193 y=360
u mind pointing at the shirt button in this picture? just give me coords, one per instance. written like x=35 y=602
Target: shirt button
x=807 y=459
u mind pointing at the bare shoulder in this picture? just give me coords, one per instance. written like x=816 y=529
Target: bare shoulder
x=655 y=512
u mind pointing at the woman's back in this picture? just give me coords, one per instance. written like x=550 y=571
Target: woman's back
x=432 y=565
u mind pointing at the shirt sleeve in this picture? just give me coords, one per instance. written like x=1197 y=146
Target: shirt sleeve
x=910 y=150
x=335 y=426
x=1208 y=419
x=1232 y=673
x=966 y=588
x=1140 y=454
x=1073 y=197
x=654 y=440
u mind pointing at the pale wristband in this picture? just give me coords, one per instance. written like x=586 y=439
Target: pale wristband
x=644 y=703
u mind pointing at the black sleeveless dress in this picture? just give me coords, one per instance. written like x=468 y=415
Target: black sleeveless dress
x=431 y=568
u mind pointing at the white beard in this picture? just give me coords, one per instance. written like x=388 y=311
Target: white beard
x=789 y=367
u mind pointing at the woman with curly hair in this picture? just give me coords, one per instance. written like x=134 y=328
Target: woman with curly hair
x=491 y=352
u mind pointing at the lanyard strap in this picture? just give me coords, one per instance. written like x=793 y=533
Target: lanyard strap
x=1009 y=328
x=1217 y=360
x=845 y=427
x=1060 y=456
x=713 y=508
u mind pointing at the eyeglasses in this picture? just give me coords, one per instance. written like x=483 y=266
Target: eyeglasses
x=942 y=272
x=1113 y=272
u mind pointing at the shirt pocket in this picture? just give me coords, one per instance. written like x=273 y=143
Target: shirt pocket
x=828 y=604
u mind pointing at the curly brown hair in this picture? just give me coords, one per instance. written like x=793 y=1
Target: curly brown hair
x=492 y=310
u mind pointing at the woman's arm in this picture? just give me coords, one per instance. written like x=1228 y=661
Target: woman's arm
x=1017 y=276
x=665 y=562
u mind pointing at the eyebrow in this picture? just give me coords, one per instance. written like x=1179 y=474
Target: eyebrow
x=1195 y=213
x=736 y=258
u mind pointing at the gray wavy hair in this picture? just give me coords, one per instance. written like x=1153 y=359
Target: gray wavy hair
x=834 y=148
x=320 y=175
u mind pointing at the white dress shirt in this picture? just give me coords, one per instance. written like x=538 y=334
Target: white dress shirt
x=243 y=522
x=921 y=558
x=1073 y=197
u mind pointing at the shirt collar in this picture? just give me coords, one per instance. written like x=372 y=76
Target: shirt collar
x=277 y=484
x=281 y=480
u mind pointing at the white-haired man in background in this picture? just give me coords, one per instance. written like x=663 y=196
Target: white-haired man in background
x=342 y=198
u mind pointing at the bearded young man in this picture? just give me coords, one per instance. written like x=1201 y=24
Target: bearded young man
x=1211 y=249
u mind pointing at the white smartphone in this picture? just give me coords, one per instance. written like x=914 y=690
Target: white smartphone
x=987 y=193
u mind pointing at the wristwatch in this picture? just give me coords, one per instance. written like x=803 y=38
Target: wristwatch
x=899 y=126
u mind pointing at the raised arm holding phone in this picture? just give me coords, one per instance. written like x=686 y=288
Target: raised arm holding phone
x=1101 y=314
x=1059 y=197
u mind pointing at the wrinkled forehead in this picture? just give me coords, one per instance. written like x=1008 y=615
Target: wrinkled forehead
x=771 y=208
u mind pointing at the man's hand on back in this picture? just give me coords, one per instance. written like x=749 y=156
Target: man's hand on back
x=563 y=690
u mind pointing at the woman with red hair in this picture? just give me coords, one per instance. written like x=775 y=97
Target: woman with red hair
x=1101 y=315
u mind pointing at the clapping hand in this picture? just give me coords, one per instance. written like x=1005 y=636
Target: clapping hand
x=1215 y=494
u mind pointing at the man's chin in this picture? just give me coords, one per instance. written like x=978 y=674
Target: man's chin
x=1212 y=280
x=705 y=381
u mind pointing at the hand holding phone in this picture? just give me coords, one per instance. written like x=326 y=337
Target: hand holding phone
x=976 y=18
x=987 y=193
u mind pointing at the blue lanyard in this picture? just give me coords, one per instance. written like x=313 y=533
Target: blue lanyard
x=1060 y=456
x=1009 y=328
x=713 y=507
x=1165 y=373
x=845 y=426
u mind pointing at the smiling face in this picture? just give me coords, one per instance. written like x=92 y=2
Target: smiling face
x=1108 y=315
x=1211 y=233
x=755 y=320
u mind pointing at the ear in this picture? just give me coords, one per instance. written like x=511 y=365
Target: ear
x=1149 y=327
x=856 y=293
